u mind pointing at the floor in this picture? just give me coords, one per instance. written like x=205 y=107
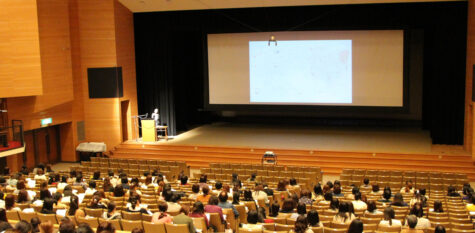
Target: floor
x=402 y=140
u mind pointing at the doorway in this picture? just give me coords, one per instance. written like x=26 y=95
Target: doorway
x=124 y=108
x=42 y=146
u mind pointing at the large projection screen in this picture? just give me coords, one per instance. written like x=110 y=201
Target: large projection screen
x=341 y=68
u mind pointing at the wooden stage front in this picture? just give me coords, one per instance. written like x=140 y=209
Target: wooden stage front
x=331 y=148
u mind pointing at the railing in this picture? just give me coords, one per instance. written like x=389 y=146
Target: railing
x=12 y=137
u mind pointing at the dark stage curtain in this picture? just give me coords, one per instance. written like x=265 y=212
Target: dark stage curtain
x=171 y=54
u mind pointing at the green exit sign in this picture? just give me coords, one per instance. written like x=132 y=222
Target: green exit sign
x=46 y=121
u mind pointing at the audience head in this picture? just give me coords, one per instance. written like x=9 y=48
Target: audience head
x=252 y=217
x=4 y=226
x=235 y=197
x=223 y=196
x=288 y=205
x=218 y=185
x=357 y=196
x=23 y=226
x=387 y=194
x=438 y=206
x=163 y=207
x=195 y=188
x=48 y=204
x=411 y=221
x=439 y=229
x=111 y=207
x=84 y=228
x=96 y=175
x=328 y=196
x=205 y=190
x=198 y=207
x=46 y=227
x=293 y=181
x=317 y=189
x=337 y=189
x=105 y=226
x=73 y=205
x=417 y=210
x=274 y=209
x=371 y=206
x=301 y=224
x=213 y=200
x=375 y=188
x=313 y=218
x=184 y=180
x=398 y=199
x=389 y=213
x=366 y=181
x=119 y=191
x=248 y=195
x=334 y=204
x=356 y=226
x=281 y=186
x=10 y=201
x=35 y=223
x=301 y=208
x=330 y=184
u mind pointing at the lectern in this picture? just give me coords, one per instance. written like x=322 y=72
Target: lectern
x=149 y=132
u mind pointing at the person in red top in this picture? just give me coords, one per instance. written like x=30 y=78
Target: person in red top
x=212 y=207
x=198 y=212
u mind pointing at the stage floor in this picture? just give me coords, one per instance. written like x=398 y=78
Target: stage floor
x=354 y=139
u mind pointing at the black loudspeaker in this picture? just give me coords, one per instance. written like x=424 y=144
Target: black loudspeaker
x=473 y=84
x=105 y=82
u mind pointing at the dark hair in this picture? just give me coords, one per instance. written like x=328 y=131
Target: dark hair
x=288 y=205
x=334 y=204
x=261 y=212
x=330 y=184
x=195 y=188
x=3 y=215
x=57 y=196
x=358 y=196
x=47 y=205
x=301 y=208
x=375 y=188
x=439 y=229
x=411 y=221
x=371 y=206
x=248 y=195
x=343 y=210
x=203 y=178
x=10 y=201
x=20 y=185
x=5 y=226
x=387 y=194
x=23 y=226
x=92 y=184
x=274 y=209
x=438 y=207
x=253 y=177
x=389 y=214
x=119 y=191
x=301 y=224
x=96 y=175
x=252 y=217
x=355 y=190
x=313 y=218
x=111 y=207
x=328 y=196
x=293 y=181
x=205 y=190
x=356 y=226
x=184 y=180
x=281 y=186
x=213 y=200
x=163 y=207
x=366 y=181
x=417 y=210
x=167 y=195
x=198 y=207
x=35 y=222
x=317 y=189
x=66 y=227
x=223 y=196
x=44 y=193
x=422 y=192
x=235 y=198
x=218 y=185
x=73 y=205
x=398 y=200
x=105 y=226
x=337 y=189
x=84 y=228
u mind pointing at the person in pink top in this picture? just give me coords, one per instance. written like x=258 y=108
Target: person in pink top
x=212 y=207
x=162 y=216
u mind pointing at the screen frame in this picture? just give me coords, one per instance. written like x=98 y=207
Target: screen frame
x=328 y=109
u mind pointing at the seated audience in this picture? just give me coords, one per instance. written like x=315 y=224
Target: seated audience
x=439 y=229
x=358 y=204
x=223 y=203
x=287 y=206
x=274 y=209
x=411 y=222
x=301 y=225
x=451 y=192
x=438 y=207
x=91 y=189
x=48 y=206
x=195 y=188
x=301 y=211
x=408 y=188
x=252 y=219
x=418 y=211
x=105 y=227
x=162 y=216
x=182 y=218
x=306 y=197
x=313 y=219
x=365 y=184
x=337 y=191
x=259 y=194
x=204 y=198
x=212 y=207
x=112 y=212
x=344 y=215
x=356 y=226
x=398 y=200
x=372 y=208
x=389 y=220
x=10 y=203
x=317 y=194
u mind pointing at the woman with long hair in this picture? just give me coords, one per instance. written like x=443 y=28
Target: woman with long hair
x=389 y=216
x=313 y=219
x=301 y=225
x=372 y=208
x=343 y=215
x=334 y=205
x=74 y=208
x=198 y=211
x=438 y=207
x=161 y=216
x=356 y=226
x=105 y=227
x=398 y=200
x=112 y=212
x=301 y=211
x=10 y=203
x=317 y=194
x=418 y=211
x=48 y=206
x=107 y=185
x=274 y=209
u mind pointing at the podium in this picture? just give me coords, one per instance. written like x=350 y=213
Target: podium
x=149 y=131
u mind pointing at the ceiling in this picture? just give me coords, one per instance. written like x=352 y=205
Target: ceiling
x=176 y=5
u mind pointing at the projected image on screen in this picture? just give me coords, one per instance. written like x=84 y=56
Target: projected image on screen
x=301 y=71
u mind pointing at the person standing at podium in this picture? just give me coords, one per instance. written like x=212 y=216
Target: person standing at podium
x=156 y=117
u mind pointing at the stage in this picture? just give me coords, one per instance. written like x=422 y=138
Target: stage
x=347 y=139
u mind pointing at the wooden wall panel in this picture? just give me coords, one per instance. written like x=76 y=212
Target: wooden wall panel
x=124 y=33
x=469 y=109
x=97 y=49
x=20 y=65
x=56 y=69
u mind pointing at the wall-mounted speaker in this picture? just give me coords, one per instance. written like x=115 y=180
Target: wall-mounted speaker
x=105 y=82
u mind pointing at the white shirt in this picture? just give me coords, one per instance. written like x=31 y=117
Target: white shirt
x=90 y=192
x=359 y=205
x=423 y=223
x=260 y=195
x=395 y=222
x=61 y=186
x=173 y=207
x=40 y=177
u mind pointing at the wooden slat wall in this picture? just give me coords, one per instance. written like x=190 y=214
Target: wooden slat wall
x=20 y=65
x=124 y=36
x=469 y=109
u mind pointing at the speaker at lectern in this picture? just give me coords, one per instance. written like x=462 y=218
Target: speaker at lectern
x=149 y=130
